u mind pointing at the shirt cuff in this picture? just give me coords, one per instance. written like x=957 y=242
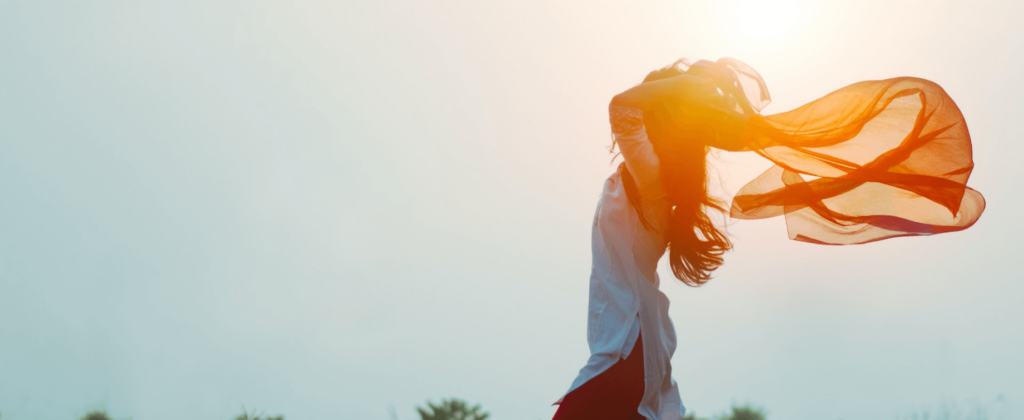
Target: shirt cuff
x=625 y=120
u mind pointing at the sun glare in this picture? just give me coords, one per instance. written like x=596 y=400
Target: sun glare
x=766 y=19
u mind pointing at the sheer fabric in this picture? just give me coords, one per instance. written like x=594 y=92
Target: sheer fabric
x=871 y=161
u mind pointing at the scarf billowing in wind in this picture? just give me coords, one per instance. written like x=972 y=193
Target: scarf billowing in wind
x=871 y=161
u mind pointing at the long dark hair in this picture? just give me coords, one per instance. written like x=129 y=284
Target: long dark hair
x=695 y=244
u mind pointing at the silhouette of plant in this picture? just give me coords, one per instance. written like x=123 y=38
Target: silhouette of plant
x=692 y=416
x=738 y=412
x=452 y=409
x=96 y=415
x=952 y=411
x=246 y=415
x=744 y=412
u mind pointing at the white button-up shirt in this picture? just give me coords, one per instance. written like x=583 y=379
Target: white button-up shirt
x=624 y=294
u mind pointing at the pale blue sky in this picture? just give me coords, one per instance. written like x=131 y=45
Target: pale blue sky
x=325 y=208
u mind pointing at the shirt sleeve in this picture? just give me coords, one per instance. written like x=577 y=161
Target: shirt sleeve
x=631 y=137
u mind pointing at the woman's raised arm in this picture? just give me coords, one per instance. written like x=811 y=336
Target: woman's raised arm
x=684 y=90
x=689 y=102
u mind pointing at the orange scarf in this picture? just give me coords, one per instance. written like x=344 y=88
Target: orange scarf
x=871 y=161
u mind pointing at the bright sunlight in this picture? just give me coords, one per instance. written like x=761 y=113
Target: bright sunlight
x=766 y=19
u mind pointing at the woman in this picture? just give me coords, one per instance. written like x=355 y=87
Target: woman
x=891 y=158
x=657 y=199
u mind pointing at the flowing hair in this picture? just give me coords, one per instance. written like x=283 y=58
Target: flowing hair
x=695 y=244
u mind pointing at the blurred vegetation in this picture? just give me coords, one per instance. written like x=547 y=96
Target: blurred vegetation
x=952 y=411
x=452 y=409
x=246 y=415
x=96 y=415
x=456 y=409
x=737 y=412
x=102 y=415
